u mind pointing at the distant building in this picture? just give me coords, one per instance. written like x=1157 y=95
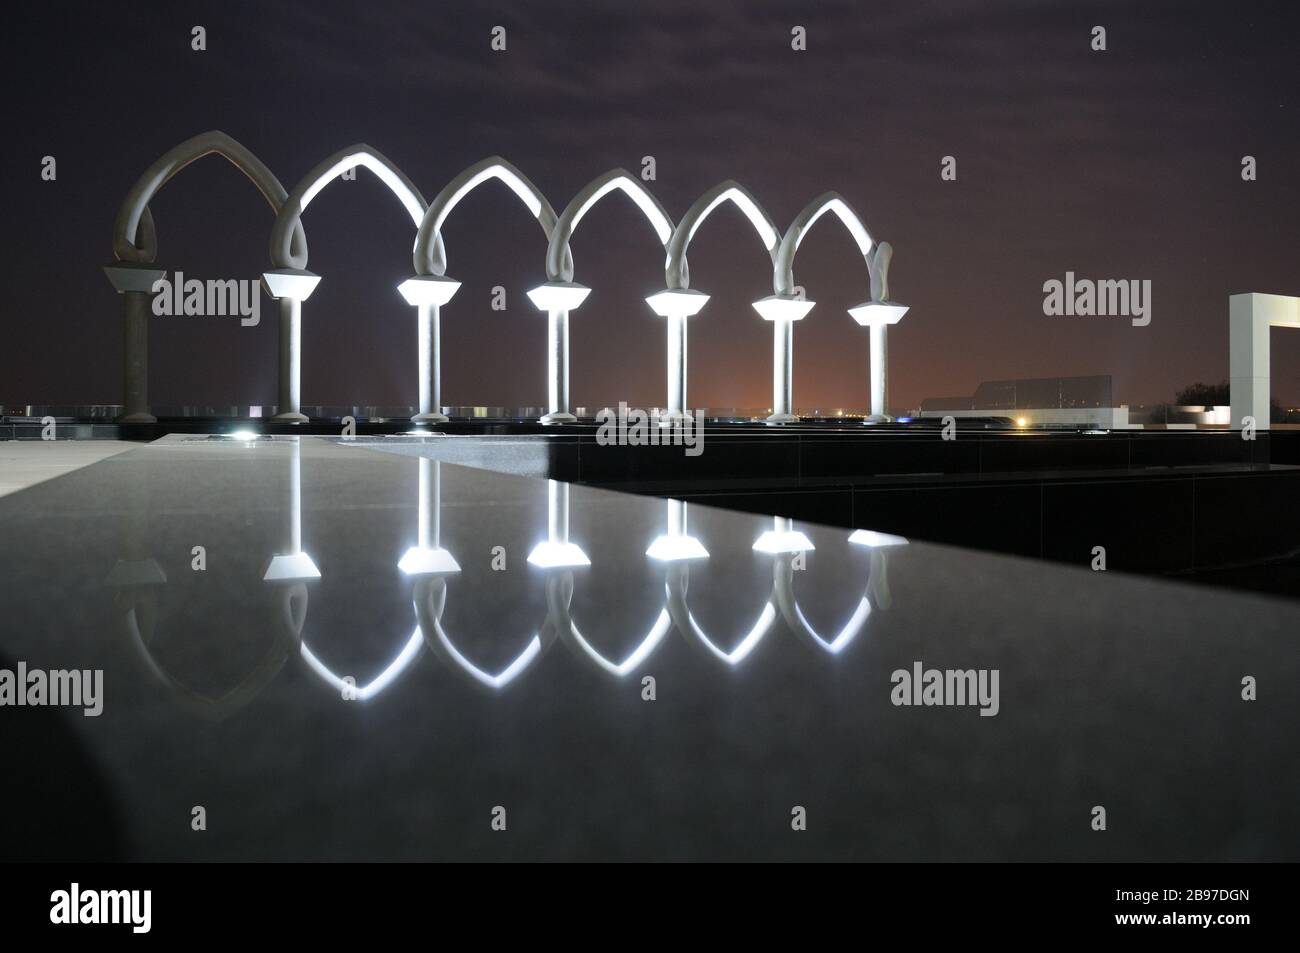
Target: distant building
x=1036 y=401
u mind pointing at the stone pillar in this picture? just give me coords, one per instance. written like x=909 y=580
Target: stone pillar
x=135 y=283
x=291 y=287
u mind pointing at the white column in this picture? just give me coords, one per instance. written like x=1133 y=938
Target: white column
x=557 y=346
x=290 y=390
x=429 y=351
x=1250 y=316
x=782 y=372
x=676 y=370
x=879 y=370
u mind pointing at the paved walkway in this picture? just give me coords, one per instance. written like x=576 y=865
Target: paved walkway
x=27 y=462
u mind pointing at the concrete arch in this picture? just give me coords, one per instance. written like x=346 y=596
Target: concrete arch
x=684 y=621
x=134 y=236
x=559 y=260
x=676 y=270
x=833 y=202
x=430 y=599
x=559 y=594
x=289 y=219
x=430 y=250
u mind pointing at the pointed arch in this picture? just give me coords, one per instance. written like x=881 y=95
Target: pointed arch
x=134 y=236
x=559 y=594
x=289 y=218
x=559 y=260
x=675 y=589
x=676 y=270
x=410 y=649
x=783 y=261
x=430 y=250
x=430 y=600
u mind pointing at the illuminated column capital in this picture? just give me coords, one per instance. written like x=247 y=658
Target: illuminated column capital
x=435 y=290
x=876 y=316
x=556 y=296
x=295 y=283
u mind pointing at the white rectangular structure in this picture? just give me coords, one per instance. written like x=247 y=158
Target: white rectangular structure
x=1250 y=316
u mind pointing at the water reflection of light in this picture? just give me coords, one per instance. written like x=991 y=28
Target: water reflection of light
x=638 y=655
x=869 y=537
x=497 y=681
x=379 y=682
x=784 y=538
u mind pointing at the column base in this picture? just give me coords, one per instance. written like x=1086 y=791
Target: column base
x=781 y=419
x=877 y=419
x=430 y=418
x=291 y=417
x=675 y=418
x=558 y=417
x=143 y=417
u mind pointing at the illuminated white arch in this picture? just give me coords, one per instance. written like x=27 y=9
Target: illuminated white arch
x=560 y=618
x=376 y=685
x=431 y=260
x=290 y=282
x=430 y=250
x=430 y=598
x=135 y=245
x=560 y=294
x=783 y=287
x=683 y=619
x=876 y=588
x=676 y=270
x=675 y=304
x=357 y=156
x=559 y=265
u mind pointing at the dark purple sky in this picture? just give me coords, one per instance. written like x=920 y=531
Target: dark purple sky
x=1123 y=164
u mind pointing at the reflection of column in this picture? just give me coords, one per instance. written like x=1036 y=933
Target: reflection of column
x=557 y=299
x=676 y=305
x=135 y=284
x=293 y=563
x=429 y=293
x=782 y=310
x=783 y=579
x=291 y=286
x=427 y=555
x=556 y=552
x=783 y=538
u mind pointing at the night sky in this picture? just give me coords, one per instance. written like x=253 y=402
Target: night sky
x=1116 y=164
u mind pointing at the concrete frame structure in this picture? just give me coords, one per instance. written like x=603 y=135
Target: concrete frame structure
x=876 y=313
x=561 y=294
x=1250 y=317
x=135 y=247
x=431 y=261
x=678 y=302
x=290 y=283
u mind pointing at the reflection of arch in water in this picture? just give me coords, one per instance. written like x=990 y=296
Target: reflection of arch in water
x=678 y=549
x=555 y=553
x=430 y=288
x=137 y=584
x=427 y=559
x=430 y=599
x=290 y=282
x=135 y=246
x=560 y=294
x=876 y=592
x=674 y=546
